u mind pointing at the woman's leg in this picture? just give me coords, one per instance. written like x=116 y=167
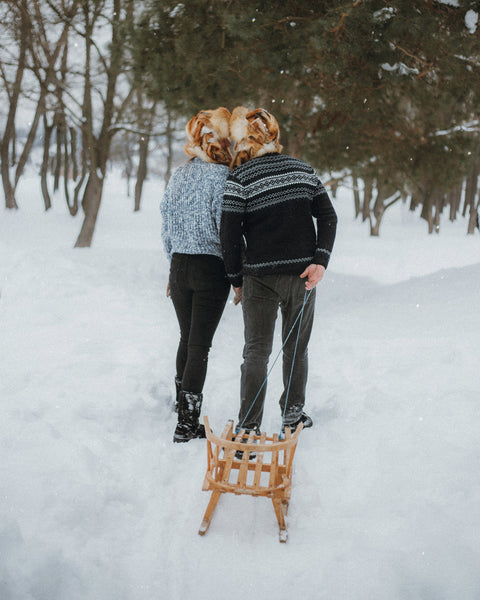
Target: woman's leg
x=182 y=297
x=210 y=293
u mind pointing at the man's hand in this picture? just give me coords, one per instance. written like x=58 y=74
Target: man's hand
x=238 y=295
x=314 y=274
x=168 y=290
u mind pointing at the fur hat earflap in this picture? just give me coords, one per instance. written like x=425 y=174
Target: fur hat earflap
x=255 y=132
x=207 y=136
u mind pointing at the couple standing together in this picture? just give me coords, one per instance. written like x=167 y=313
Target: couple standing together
x=262 y=222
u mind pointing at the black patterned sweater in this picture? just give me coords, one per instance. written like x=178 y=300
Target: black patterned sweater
x=270 y=202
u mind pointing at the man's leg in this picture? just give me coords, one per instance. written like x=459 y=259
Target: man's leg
x=260 y=306
x=295 y=351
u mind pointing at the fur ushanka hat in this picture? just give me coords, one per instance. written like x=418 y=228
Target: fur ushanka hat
x=255 y=132
x=207 y=136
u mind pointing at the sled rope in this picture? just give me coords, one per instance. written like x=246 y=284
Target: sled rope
x=305 y=298
x=299 y=317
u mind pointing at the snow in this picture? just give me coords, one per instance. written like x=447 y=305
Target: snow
x=97 y=503
x=471 y=20
x=401 y=67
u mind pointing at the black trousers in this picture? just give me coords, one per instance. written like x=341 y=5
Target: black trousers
x=199 y=289
x=262 y=296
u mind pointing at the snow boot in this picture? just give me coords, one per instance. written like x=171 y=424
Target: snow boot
x=188 y=427
x=304 y=418
x=239 y=453
x=178 y=387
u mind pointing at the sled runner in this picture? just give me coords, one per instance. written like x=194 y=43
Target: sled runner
x=264 y=469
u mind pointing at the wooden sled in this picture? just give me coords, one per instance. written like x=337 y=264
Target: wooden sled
x=265 y=469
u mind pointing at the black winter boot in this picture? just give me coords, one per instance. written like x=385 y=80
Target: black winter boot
x=178 y=387
x=188 y=426
x=304 y=418
x=239 y=453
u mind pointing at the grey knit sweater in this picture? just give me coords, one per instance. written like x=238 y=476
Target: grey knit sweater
x=191 y=209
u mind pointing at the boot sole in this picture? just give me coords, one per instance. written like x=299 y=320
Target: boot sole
x=198 y=435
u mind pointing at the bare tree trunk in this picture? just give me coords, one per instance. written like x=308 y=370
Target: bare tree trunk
x=92 y=193
x=74 y=207
x=142 y=169
x=58 y=153
x=367 y=197
x=439 y=202
x=170 y=133
x=471 y=191
x=13 y=97
x=375 y=227
x=92 y=198
x=378 y=210
x=8 y=188
x=427 y=212
x=73 y=152
x=356 y=195
x=380 y=207
x=47 y=135
x=98 y=148
x=145 y=119
x=454 y=198
x=472 y=219
x=40 y=110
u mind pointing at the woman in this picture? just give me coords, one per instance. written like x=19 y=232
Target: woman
x=198 y=285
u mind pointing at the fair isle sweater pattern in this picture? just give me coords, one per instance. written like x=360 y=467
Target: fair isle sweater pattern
x=191 y=209
x=271 y=202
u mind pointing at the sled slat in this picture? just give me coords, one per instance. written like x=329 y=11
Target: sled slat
x=259 y=465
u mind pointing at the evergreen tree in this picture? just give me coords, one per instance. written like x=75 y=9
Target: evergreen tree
x=386 y=90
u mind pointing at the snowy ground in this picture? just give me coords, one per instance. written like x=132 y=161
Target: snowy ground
x=96 y=503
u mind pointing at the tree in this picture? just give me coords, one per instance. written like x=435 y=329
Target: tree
x=45 y=20
x=145 y=117
x=97 y=134
x=381 y=90
x=33 y=24
x=18 y=33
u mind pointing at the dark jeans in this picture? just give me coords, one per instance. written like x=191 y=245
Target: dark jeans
x=261 y=298
x=199 y=289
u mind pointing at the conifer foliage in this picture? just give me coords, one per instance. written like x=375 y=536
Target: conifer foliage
x=386 y=91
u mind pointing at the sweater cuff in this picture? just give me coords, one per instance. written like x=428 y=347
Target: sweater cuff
x=236 y=279
x=321 y=257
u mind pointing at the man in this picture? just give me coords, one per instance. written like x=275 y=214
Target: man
x=274 y=256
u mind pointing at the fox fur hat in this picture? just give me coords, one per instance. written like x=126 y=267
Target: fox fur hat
x=207 y=136
x=255 y=132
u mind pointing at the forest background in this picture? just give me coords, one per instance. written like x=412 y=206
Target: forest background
x=380 y=96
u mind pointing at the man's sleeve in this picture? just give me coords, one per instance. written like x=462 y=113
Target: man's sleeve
x=324 y=213
x=231 y=229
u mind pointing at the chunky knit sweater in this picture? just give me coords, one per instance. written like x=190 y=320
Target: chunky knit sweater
x=270 y=203
x=191 y=209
